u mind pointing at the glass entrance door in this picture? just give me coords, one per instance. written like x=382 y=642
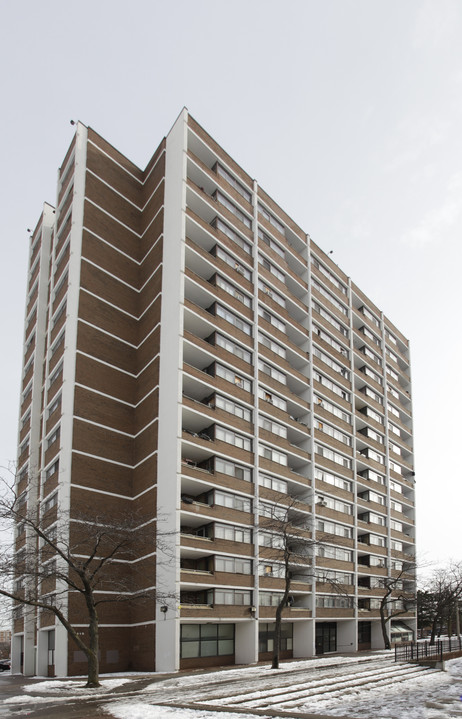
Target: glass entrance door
x=326 y=637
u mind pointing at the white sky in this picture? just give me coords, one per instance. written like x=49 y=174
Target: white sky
x=349 y=114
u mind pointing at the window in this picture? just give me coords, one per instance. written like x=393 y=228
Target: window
x=227 y=499
x=370 y=335
x=397 y=526
x=343 y=555
x=58 y=343
x=230 y=376
x=396 y=506
x=271 y=268
x=273 y=511
x=373 y=518
x=272 y=399
x=58 y=315
x=272 y=372
x=396 y=487
x=233 y=291
x=335 y=388
x=370 y=474
x=394 y=375
x=233 y=347
x=330 y=276
x=233 y=319
x=332 y=409
x=332 y=432
x=54 y=405
x=366 y=351
x=333 y=528
x=394 y=393
x=272 y=541
x=270 y=218
x=275 y=296
x=393 y=410
x=336 y=504
x=233 y=565
x=52 y=469
x=232 y=407
x=61 y=284
x=373 y=497
x=329 y=575
x=273 y=427
x=269 y=599
x=232 y=262
x=332 y=456
x=370 y=373
x=238 y=440
x=369 y=412
x=332 y=479
x=271 y=569
x=371 y=394
x=367 y=313
x=50 y=503
x=273 y=346
x=271 y=319
x=278 y=485
x=397 y=546
x=394 y=448
x=395 y=467
x=372 y=434
x=271 y=243
x=390 y=338
x=224 y=466
x=329 y=318
x=317 y=286
x=25 y=419
x=377 y=541
x=223 y=200
x=206 y=640
x=394 y=430
x=372 y=454
x=391 y=354
x=53 y=437
x=232 y=533
x=331 y=363
x=219 y=225
x=220 y=170
x=56 y=374
x=330 y=340
x=272 y=454
x=333 y=601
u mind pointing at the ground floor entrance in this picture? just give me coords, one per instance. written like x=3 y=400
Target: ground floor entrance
x=326 y=637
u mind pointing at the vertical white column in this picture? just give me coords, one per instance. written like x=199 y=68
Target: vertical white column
x=69 y=363
x=170 y=394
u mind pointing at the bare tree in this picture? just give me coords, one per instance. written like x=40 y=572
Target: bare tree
x=396 y=600
x=87 y=557
x=288 y=543
x=444 y=587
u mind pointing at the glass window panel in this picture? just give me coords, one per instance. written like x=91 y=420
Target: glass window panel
x=189 y=649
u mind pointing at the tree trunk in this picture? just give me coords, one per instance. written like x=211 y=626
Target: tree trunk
x=92 y=655
x=433 y=634
x=277 y=637
x=386 y=638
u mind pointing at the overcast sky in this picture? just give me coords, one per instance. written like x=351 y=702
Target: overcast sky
x=347 y=112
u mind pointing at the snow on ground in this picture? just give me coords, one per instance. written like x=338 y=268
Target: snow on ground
x=63 y=690
x=334 y=686
x=139 y=710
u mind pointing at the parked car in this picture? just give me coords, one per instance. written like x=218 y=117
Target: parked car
x=5 y=664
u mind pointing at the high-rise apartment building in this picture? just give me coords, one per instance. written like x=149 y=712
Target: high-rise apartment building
x=189 y=349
